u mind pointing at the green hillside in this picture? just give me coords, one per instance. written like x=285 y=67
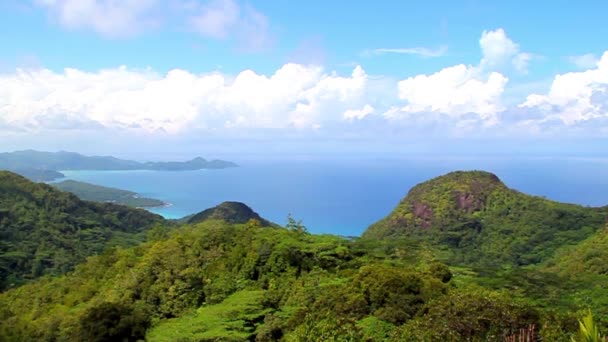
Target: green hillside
x=46 y=231
x=444 y=266
x=588 y=257
x=478 y=220
x=231 y=212
x=219 y=282
x=97 y=193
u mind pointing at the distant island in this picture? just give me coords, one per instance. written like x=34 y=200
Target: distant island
x=97 y=193
x=45 y=166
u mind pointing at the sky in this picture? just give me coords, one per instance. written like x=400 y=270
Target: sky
x=177 y=78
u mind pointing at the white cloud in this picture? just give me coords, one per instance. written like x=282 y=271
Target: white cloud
x=499 y=50
x=575 y=97
x=358 y=114
x=112 y=18
x=464 y=92
x=294 y=96
x=455 y=91
x=586 y=61
x=419 y=51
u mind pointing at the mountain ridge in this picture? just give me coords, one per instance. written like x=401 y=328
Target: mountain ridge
x=40 y=163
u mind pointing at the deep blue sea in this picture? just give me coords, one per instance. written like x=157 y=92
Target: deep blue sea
x=344 y=197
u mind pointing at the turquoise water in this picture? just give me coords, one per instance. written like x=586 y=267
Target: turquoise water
x=344 y=197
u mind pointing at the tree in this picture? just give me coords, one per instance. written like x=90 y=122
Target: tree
x=294 y=225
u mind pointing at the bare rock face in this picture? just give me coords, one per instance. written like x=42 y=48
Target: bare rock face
x=423 y=213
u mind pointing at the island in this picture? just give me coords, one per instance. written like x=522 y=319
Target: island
x=97 y=193
x=46 y=166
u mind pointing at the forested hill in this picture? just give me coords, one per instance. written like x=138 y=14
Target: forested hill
x=38 y=164
x=480 y=221
x=462 y=258
x=46 y=231
x=231 y=212
x=97 y=193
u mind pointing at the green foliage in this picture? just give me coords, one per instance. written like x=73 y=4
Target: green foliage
x=478 y=221
x=96 y=193
x=231 y=212
x=219 y=281
x=234 y=319
x=588 y=330
x=294 y=225
x=45 y=231
x=472 y=315
x=109 y=322
x=587 y=257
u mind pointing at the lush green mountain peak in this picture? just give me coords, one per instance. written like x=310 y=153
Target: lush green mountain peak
x=439 y=201
x=231 y=212
x=478 y=220
x=466 y=191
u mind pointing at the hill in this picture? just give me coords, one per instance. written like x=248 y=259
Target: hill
x=29 y=160
x=97 y=193
x=216 y=281
x=219 y=282
x=590 y=257
x=477 y=220
x=46 y=231
x=231 y=212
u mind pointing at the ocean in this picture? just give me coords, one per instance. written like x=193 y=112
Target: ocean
x=345 y=196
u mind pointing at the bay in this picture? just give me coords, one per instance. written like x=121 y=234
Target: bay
x=345 y=196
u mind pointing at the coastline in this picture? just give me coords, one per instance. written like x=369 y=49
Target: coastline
x=164 y=205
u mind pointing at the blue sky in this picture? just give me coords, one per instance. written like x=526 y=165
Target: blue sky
x=230 y=77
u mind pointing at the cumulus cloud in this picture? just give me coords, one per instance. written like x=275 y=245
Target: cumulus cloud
x=499 y=51
x=464 y=91
x=469 y=94
x=113 y=18
x=454 y=91
x=294 y=96
x=575 y=97
x=358 y=114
